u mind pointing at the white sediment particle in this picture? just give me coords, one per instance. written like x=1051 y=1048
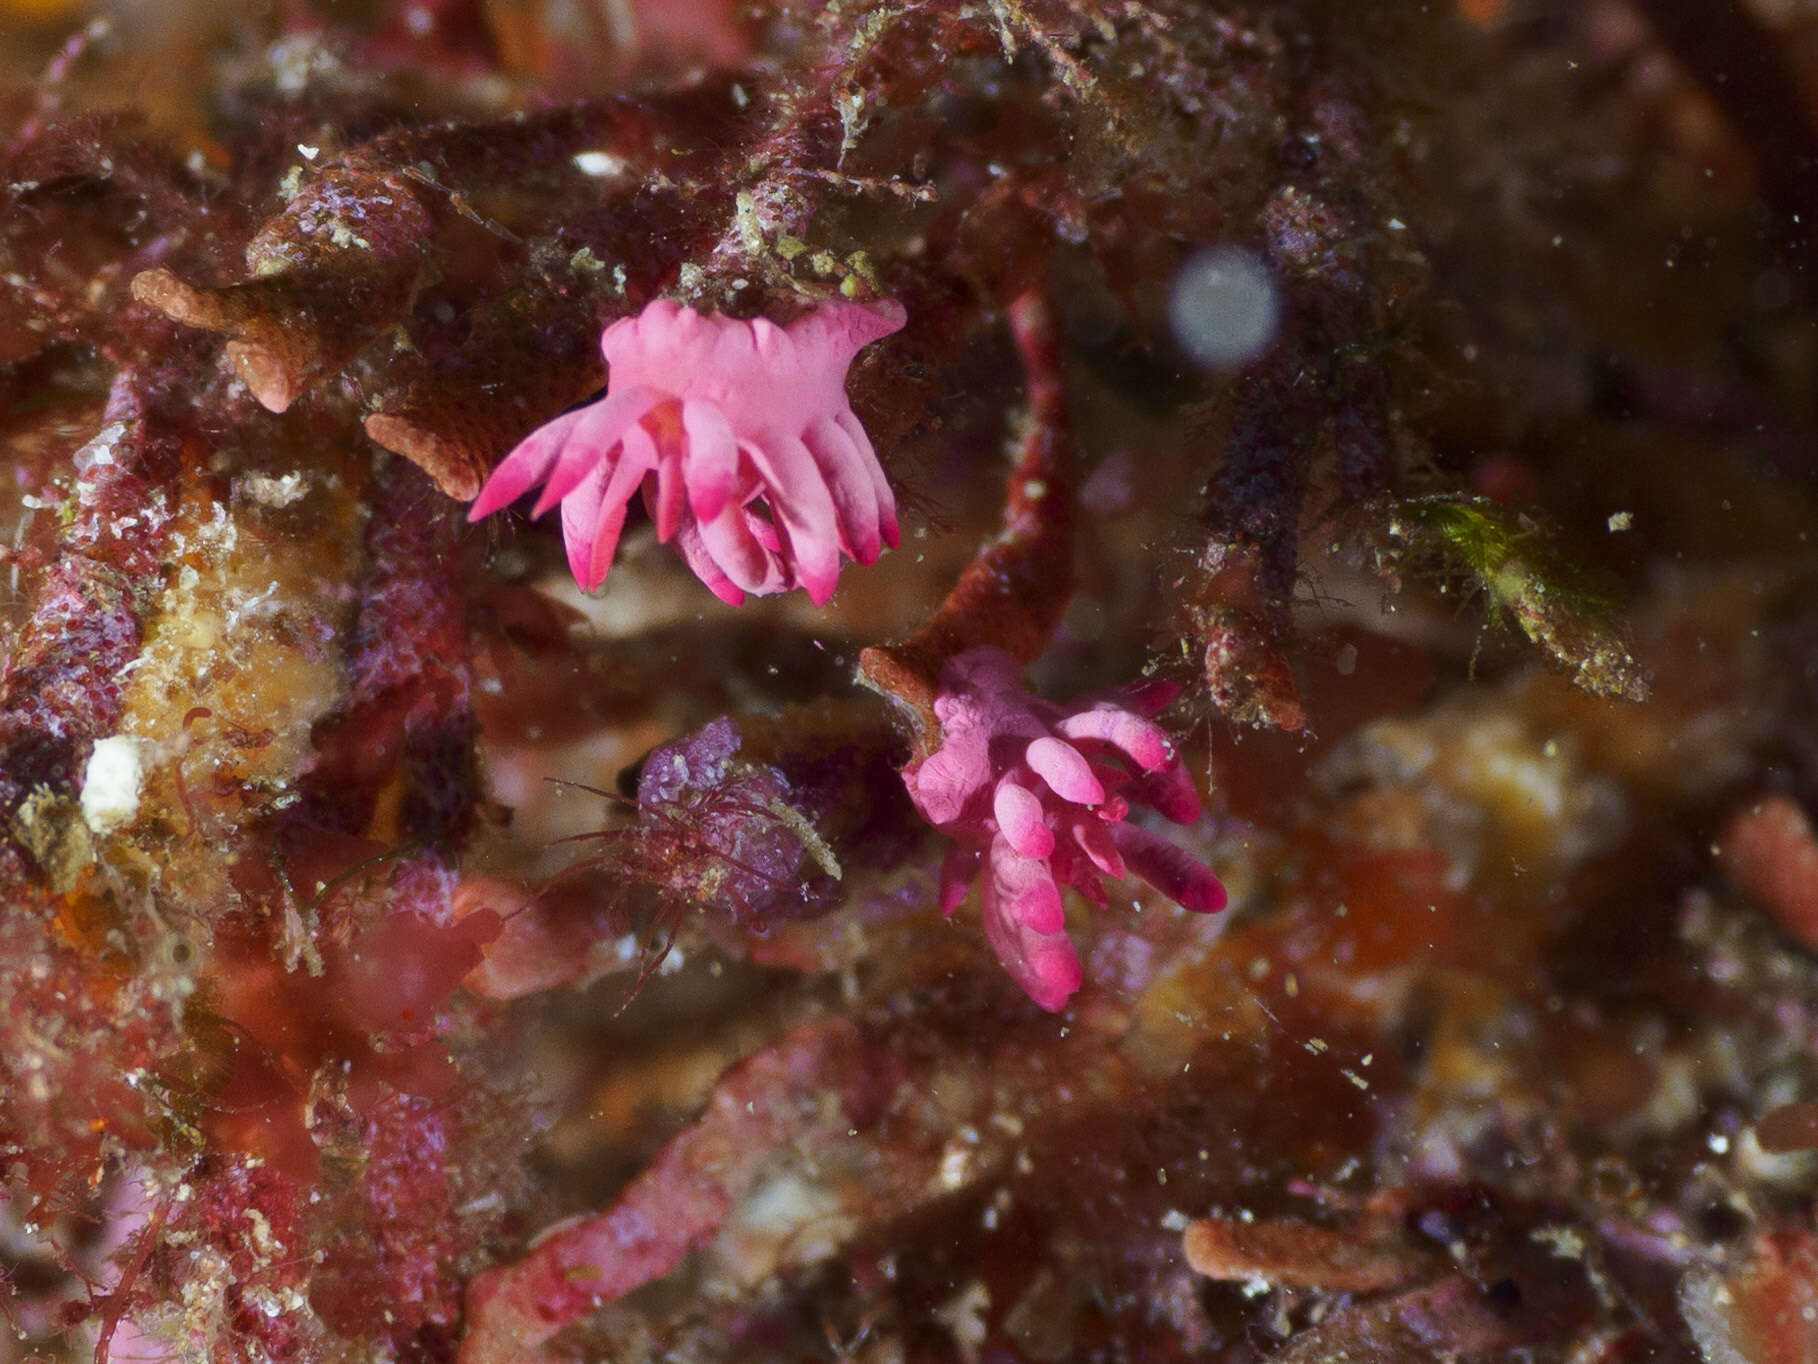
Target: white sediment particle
x=599 y=164
x=276 y=492
x=110 y=783
x=100 y=450
x=964 y=1316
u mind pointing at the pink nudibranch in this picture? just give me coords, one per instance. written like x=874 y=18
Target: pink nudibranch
x=1036 y=796
x=741 y=438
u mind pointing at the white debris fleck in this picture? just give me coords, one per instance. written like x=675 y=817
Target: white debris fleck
x=297 y=60
x=788 y=1220
x=276 y=492
x=964 y=1317
x=955 y=1167
x=110 y=783
x=100 y=450
x=600 y=165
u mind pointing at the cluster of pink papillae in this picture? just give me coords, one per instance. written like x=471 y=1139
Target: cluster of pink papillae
x=739 y=435
x=1039 y=793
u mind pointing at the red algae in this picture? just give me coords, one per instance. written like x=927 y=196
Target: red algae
x=1391 y=421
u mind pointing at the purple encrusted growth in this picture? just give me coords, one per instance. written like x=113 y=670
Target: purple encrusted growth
x=737 y=851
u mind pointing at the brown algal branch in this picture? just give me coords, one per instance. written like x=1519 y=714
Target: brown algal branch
x=473 y=158
x=1235 y=597
x=1324 y=391
x=1368 y=1256
x=311 y=304
x=341 y=264
x=1726 y=50
x=1255 y=500
x=1013 y=595
x=450 y=411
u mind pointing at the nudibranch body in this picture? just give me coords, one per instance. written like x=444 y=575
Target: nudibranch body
x=741 y=438
x=1036 y=796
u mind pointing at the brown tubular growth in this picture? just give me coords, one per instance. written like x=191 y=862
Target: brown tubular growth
x=1014 y=593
